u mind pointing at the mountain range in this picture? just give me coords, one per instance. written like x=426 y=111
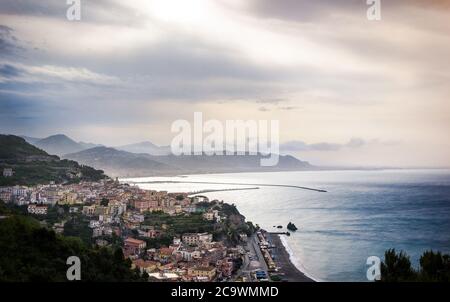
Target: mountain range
x=148 y=159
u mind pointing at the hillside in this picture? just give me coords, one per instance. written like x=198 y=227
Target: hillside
x=14 y=147
x=32 y=165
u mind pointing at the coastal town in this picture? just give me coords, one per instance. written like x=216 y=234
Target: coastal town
x=167 y=236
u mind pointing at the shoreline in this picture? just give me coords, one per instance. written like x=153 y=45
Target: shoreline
x=289 y=271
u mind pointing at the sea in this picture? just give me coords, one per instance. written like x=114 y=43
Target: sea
x=362 y=213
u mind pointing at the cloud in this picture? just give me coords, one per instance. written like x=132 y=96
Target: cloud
x=9 y=71
x=353 y=143
x=135 y=66
x=71 y=74
x=288 y=108
x=295 y=146
x=9 y=44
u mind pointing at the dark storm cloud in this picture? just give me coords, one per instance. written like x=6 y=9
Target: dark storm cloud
x=9 y=44
x=9 y=71
x=94 y=11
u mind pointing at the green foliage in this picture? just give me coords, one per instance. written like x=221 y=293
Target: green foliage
x=32 y=253
x=13 y=147
x=164 y=240
x=104 y=202
x=179 y=197
x=229 y=209
x=275 y=278
x=434 y=267
x=396 y=267
x=78 y=226
x=179 y=224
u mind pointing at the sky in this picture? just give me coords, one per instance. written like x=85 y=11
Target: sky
x=346 y=91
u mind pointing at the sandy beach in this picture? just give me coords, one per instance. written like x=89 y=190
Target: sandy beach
x=288 y=270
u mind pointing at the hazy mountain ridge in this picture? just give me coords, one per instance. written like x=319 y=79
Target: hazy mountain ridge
x=58 y=144
x=148 y=159
x=121 y=163
x=145 y=147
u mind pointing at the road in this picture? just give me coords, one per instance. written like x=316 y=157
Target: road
x=255 y=254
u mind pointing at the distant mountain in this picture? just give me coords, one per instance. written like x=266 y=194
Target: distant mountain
x=120 y=163
x=191 y=164
x=31 y=140
x=32 y=165
x=146 y=147
x=88 y=145
x=59 y=144
x=123 y=163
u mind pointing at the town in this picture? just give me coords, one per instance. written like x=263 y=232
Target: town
x=167 y=236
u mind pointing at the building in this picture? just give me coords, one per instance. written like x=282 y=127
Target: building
x=68 y=198
x=88 y=210
x=18 y=191
x=141 y=205
x=37 y=209
x=225 y=267
x=6 y=196
x=8 y=172
x=196 y=238
x=208 y=272
x=97 y=232
x=147 y=266
x=134 y=246
x=190 y=239
x=204 y=237
x=73 y=210
x=94 y=224
x=208 y=215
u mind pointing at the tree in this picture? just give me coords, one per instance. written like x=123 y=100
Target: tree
x=434 y=267
x=396 y=267
x=32 y=253
x=104 y=202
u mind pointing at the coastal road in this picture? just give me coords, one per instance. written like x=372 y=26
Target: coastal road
x=254 y=252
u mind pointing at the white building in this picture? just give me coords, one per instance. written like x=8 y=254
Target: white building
x=8 y=172
x=37 y=209
x=94 y=224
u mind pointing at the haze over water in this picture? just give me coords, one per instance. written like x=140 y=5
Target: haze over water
x=362 y=214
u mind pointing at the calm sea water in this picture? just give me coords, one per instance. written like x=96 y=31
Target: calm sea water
x=362 y=214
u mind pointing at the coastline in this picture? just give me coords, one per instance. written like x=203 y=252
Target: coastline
x=283 y=260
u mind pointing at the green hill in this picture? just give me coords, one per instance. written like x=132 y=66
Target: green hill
x=14 y=147
x=33 y=166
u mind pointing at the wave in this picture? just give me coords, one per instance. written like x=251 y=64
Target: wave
x=295 y=261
